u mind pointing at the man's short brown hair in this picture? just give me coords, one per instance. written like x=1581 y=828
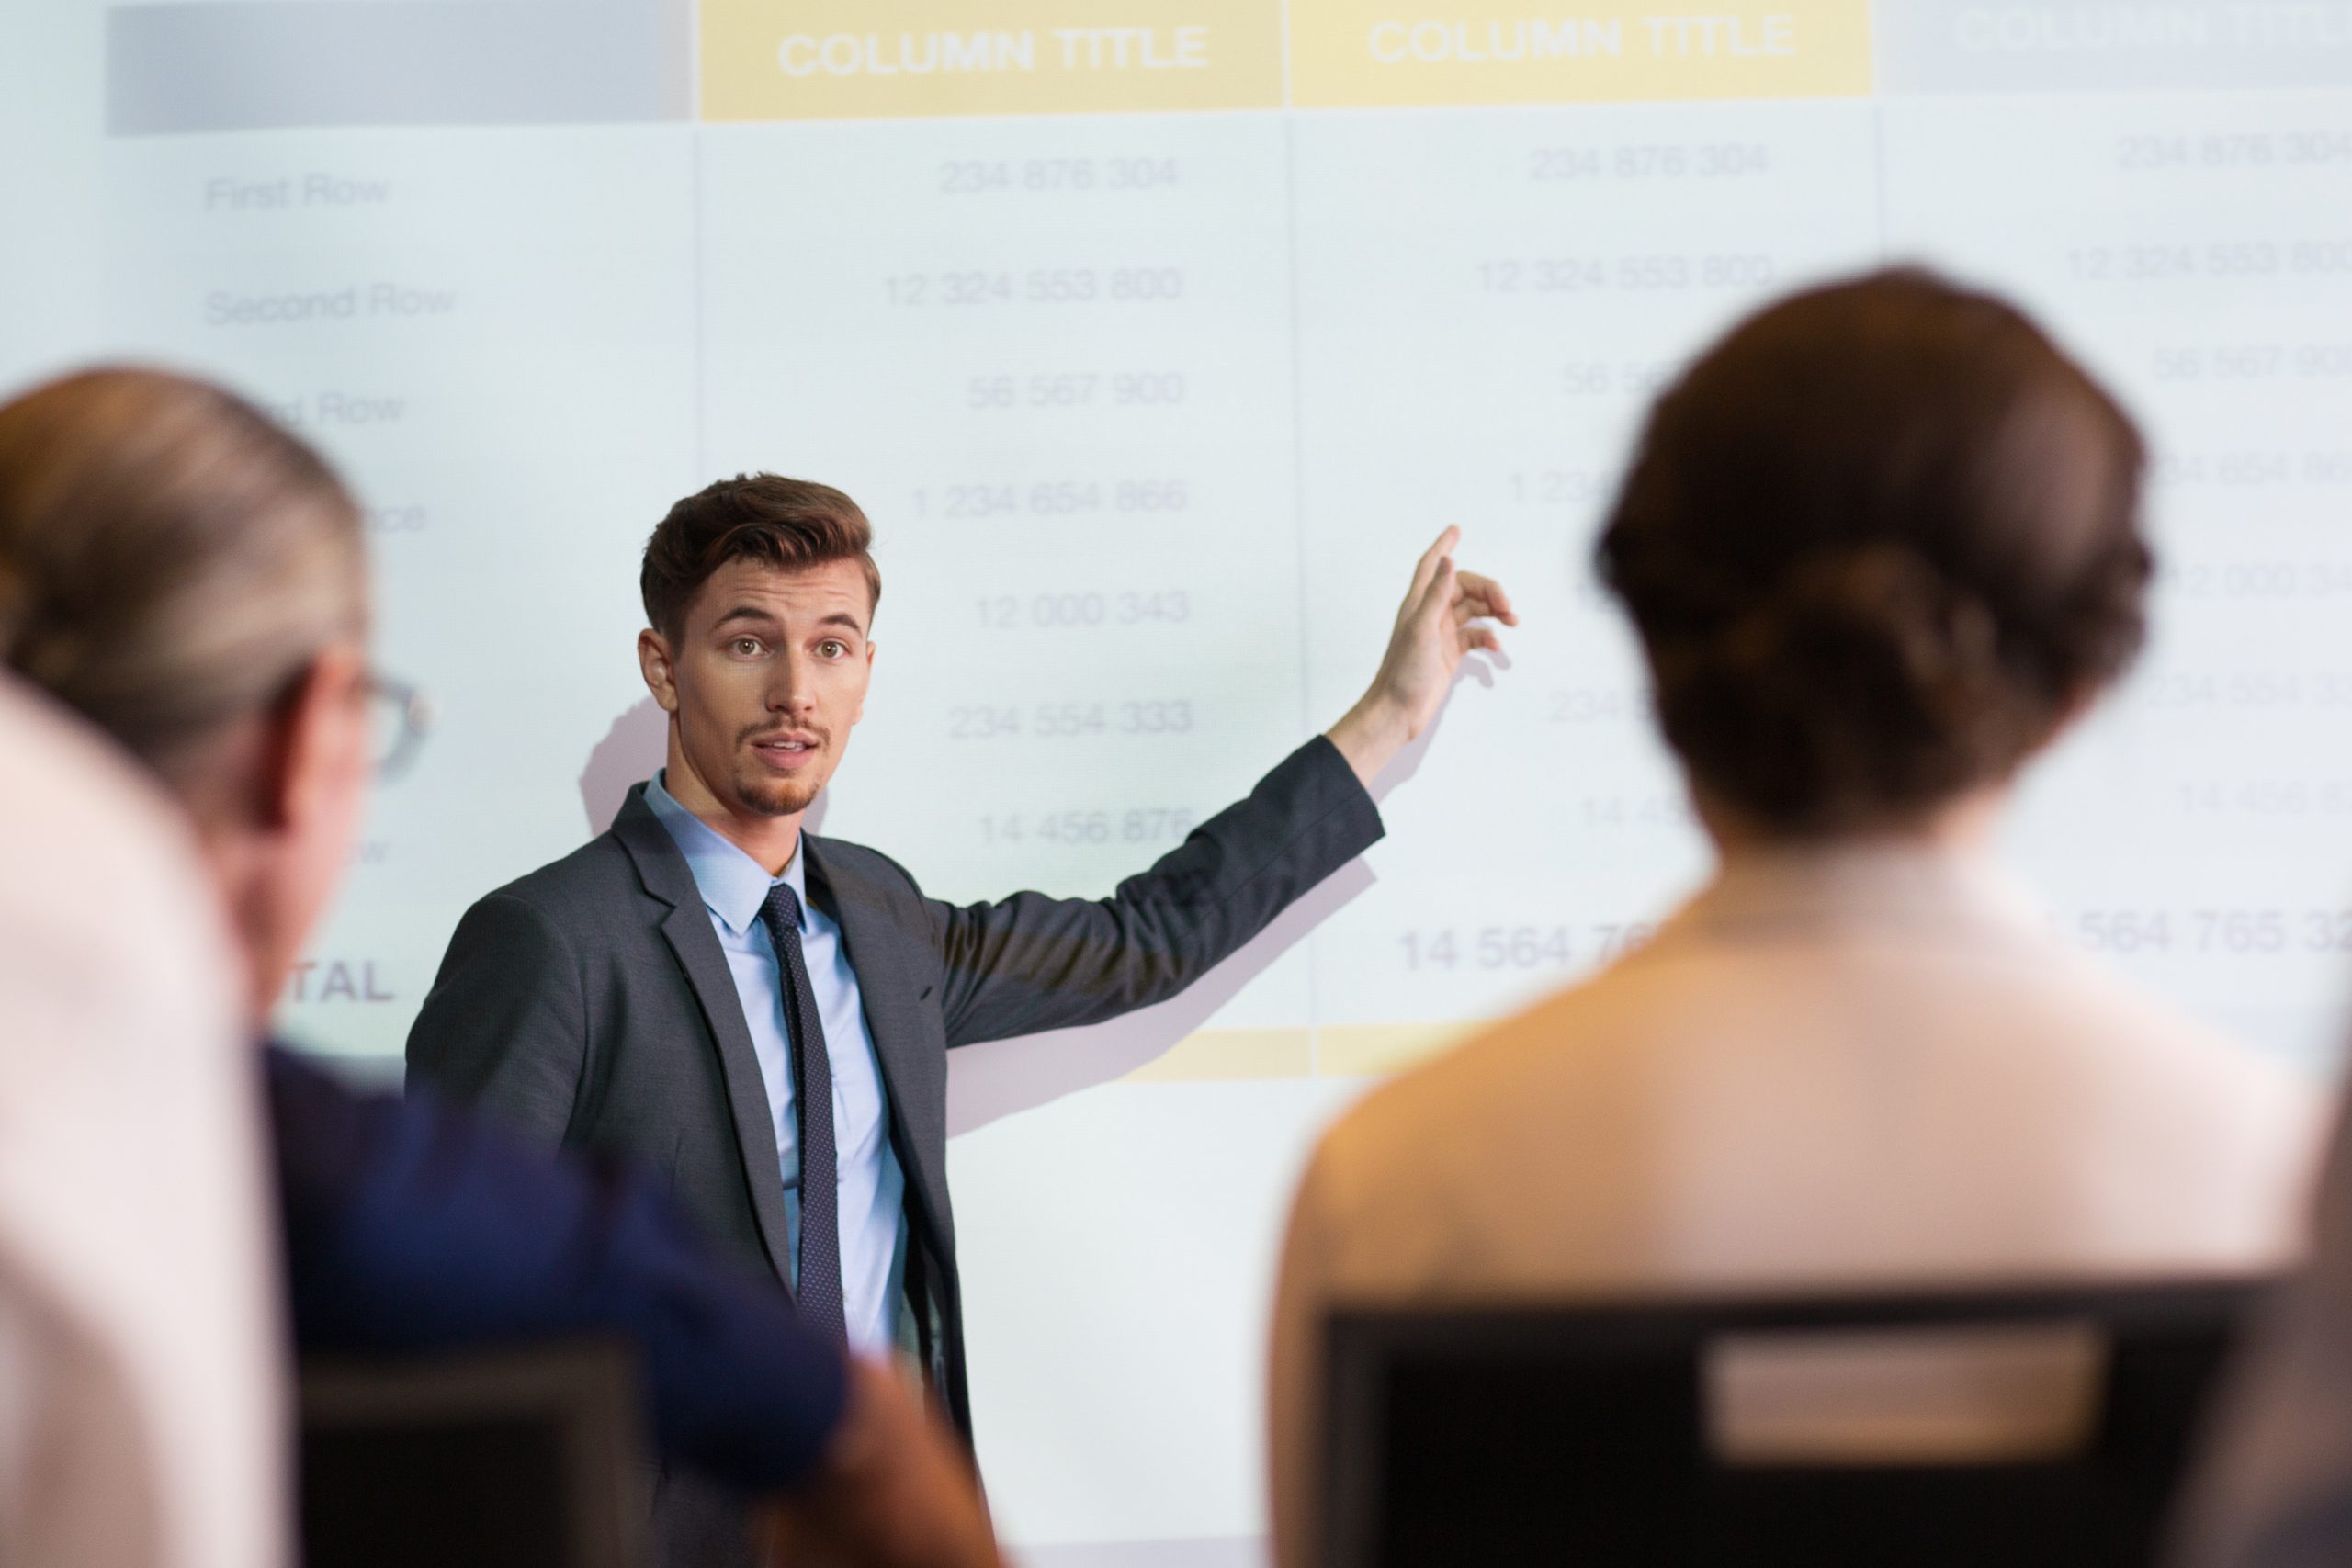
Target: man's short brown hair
x=791 y=524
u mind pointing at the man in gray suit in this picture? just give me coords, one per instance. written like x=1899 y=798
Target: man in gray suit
x=653 y=991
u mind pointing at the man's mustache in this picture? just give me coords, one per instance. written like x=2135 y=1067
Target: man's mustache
x=764 y=732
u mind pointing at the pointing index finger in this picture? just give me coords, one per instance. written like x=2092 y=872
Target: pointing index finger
x=1426 y=567
x=1437 y=600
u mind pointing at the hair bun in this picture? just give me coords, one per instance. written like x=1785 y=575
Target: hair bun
x=1878 y=542
x=1865 y=675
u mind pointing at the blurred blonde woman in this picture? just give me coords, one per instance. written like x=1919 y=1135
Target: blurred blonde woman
x=140 y=1392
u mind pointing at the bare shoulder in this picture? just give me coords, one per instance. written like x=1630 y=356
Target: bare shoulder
x=2100 y=1012
x=1549 y=1063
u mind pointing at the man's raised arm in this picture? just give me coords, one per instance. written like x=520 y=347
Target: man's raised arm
x=1032 y=962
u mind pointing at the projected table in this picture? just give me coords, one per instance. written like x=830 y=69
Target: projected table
x=1158 y=342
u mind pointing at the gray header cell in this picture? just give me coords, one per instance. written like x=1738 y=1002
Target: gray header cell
x=257 y=64
x=1977 y=46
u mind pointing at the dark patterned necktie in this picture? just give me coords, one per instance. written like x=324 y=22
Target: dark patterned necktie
x=818 y=1287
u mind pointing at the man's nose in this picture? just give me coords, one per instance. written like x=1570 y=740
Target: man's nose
x=790 y=690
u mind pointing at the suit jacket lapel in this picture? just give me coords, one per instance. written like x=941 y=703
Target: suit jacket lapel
x=686 y=926
x=894 y=1012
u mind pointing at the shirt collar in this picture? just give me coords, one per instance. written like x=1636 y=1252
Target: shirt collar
x=733 y=886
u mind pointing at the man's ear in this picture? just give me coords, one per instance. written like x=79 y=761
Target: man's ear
x=860 y=714
x=653 y=661
x=312 y=742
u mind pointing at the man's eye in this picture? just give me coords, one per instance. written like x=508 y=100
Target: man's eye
x=832 y=648
x=746 y=646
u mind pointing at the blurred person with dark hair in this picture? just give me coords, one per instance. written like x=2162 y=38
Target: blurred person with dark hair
x=190 y=578
x=142 y=1385
x=1881 y=545
x=652 y=992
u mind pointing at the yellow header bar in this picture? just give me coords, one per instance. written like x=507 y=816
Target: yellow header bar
x=878 y=59
x=1382 y=54
x=765 y=59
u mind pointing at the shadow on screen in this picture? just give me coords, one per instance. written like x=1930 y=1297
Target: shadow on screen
x=985 y=1082
x=1002 y=1077
x=1479 y=667
x=631 y=751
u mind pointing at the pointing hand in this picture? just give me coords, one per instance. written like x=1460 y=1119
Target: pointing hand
x=1446 y=613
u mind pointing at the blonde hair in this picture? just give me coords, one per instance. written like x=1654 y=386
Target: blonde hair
x=171 y=559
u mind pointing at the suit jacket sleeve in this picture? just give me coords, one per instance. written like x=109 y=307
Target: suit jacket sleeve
x=412 y=1226
x=1032 y=962
x=505 y=1024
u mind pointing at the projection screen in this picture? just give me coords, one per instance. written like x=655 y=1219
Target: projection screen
x=1157 y=338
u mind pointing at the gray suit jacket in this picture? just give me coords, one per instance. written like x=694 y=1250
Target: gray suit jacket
x=590 y=1004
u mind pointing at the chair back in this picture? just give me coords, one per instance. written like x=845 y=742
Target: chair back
x=514 y=1458
x=1605 y=1435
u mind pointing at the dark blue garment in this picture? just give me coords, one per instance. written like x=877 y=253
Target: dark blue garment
x=413 y=1226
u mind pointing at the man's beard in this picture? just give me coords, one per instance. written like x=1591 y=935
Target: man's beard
x=773 y=796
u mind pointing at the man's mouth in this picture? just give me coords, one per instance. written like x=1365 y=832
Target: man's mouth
x=786 y=752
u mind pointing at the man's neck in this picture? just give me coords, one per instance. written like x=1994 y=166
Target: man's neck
x=770 y=840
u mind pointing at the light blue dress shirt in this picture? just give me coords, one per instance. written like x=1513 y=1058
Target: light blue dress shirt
x=734 y=888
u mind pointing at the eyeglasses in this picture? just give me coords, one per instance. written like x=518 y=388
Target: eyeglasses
x=399 y=717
